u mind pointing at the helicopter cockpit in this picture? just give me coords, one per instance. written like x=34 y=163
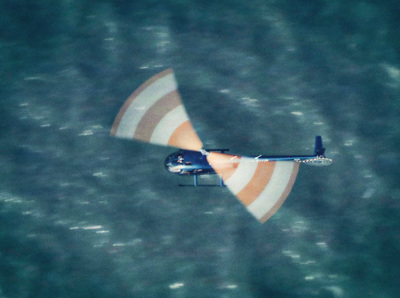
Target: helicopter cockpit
x=175 y=162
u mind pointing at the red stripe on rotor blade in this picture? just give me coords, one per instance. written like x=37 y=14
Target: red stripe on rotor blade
x=257 y=183
x=284 y=195
x=154 y=115
x=185 y=137
x=132 y=97
x=224 y=164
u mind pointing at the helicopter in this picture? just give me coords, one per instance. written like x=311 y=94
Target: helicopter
x=154 y=114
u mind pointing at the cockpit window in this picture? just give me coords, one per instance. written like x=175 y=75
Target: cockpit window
x=180 y=158
x=176 y=158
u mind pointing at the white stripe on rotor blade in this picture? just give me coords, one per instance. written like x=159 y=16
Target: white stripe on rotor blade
x=168 y=124
x=242 y=175
x=142 y=103
x=275 y=188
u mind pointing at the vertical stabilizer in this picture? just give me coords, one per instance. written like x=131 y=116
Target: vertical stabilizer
x=318 y=148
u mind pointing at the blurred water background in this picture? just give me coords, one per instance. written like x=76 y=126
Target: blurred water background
x=86 y=215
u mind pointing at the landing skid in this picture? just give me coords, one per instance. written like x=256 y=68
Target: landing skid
x=196 y=182
x=201 y=185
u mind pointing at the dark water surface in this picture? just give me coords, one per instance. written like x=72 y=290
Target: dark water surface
x=86 y=215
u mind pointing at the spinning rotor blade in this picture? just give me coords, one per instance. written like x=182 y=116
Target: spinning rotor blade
x=154 y=113
x=262 y=186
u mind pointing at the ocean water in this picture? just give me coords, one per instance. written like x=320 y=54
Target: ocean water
x=86 y=215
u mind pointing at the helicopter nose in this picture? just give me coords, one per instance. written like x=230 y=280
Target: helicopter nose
x=168 y=167
x=173 y=168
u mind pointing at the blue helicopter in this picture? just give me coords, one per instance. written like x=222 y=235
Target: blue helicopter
x=194 y=163
x=154 y=113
